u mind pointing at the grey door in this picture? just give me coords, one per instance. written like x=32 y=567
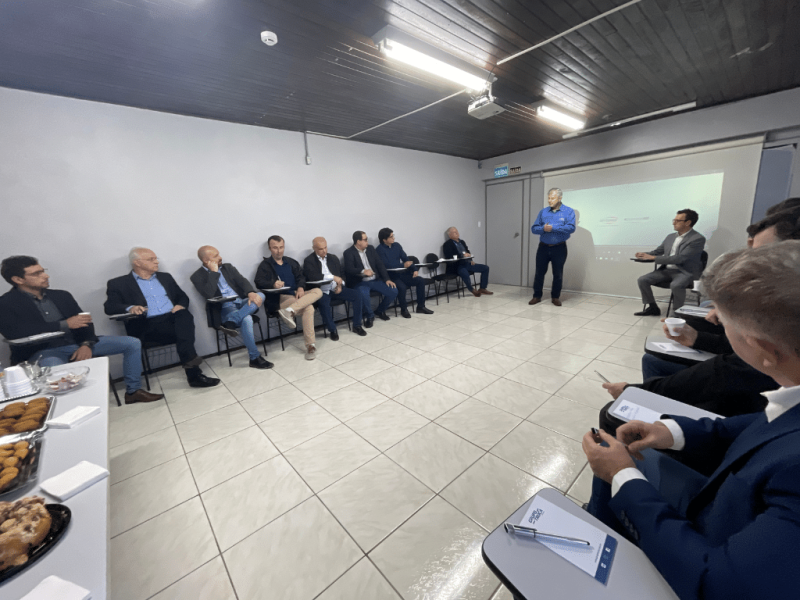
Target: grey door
x=504 y=235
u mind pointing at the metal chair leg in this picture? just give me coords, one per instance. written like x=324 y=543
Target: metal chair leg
x=227 y=348
x=114 y=389
x=263 y=341
x=146 y=363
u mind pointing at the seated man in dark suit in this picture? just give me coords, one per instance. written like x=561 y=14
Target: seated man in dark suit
x=455 y=246
x=31 y=308
x=726 y=522
x=278 y=271
x=145 y=290
x=364 y=271
x=216 y=278
x=679 y=260
x=394 y=257
x=318 y=266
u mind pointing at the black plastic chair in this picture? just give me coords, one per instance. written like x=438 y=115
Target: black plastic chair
x=336 y=301
x=214 y=320
x=665 y=286
x=445 y=278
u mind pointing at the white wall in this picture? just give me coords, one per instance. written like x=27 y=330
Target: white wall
x=82 y=182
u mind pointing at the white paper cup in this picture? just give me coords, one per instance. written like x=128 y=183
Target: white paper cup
x=696 y=287
x=675 y=326
x=15 y=375
x=455 y=256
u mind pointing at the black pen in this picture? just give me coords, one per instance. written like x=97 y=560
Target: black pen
x=521 y=529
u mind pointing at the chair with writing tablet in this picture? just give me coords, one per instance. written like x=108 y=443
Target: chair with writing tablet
x=214 y=320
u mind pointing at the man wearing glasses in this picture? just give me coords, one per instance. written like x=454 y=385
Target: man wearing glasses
x=679 y=263
x=32 y=308
x=364 y=271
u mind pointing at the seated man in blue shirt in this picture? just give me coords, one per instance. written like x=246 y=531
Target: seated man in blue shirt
x=167 y=321
x=394 y=257
x=216 y=278
x=32 y=308
x=554 y=225
x=279 y=271
x=726 y=522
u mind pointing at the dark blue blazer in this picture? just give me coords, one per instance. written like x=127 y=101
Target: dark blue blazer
x=741 y=533
x=449 y=250
x=353 y=266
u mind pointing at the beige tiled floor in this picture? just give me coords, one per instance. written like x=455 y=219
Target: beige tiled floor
x=373 y=473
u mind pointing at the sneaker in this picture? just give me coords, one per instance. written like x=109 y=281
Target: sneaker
x=311 y=352
x=287 y=317
x=260 y=363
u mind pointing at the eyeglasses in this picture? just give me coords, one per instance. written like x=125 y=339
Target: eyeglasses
x=153 y=259
x=37 y=273
x=678 y=220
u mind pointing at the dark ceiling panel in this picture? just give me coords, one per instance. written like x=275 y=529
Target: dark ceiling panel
x=325 y=75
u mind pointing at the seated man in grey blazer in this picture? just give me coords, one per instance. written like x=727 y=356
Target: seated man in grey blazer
x=215 y=279
x=678 y=260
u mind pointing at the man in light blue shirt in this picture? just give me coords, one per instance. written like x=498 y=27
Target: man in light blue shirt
x=554 y=225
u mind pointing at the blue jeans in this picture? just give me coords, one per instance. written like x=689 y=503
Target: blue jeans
x=652 y=366
x=557 y=255
x=348 y=295
x=238 y=312
x=129 y=347
x=389 y=294
x=676 y=483
x=465 y=271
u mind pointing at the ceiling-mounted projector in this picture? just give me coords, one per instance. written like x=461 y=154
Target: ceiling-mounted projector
x=485 y=106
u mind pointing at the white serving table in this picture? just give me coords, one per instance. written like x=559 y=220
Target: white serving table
x=81 y=555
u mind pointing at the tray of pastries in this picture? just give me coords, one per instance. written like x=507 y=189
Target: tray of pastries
x=19 y=463
x=29 y=528
x=24 y=419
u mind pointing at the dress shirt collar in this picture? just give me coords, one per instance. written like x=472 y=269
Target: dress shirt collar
x=324 y=261
x=780 y=401
x=555 y=209
x=135 y=276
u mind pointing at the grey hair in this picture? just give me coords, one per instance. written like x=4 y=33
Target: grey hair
x=449 y=229
x=758 y=289
x=135 y=253
x=557 y=191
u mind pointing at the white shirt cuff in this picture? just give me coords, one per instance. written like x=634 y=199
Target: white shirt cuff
x=623 y=477
x=677 y=433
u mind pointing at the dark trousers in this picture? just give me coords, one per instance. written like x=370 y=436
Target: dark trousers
x=348 y=295
x=389 y=294
x=544 y=256
x=652 y=366
x=466 y=270
x=403 y=280
x=172 y=328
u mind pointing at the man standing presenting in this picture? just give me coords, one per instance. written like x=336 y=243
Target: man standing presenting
x=679 y=260
x=216 y=278
x=279 y=271
x=318 y=266
x=554 y=225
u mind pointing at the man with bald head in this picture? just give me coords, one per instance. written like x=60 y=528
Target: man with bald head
x=318 y=266
x=161 y=305
x=215 y=279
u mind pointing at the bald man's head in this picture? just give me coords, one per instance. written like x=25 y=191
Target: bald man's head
x=320 y=246
x=209 y=254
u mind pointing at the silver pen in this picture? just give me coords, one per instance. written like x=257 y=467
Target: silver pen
x=521 y=529
x=601 y=377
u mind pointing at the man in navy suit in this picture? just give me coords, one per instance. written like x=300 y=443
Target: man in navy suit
x=726 y=522
x=365 y=272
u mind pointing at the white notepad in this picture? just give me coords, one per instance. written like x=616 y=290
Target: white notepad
x=74 y=480
x=74 y=417
x=628 y=411
x=594 y=559
x=670 y=347
x=54 y=588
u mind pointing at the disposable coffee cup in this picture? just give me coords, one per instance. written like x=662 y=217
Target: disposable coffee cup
x=455 y=256
x=675 y=326
x=696 y=287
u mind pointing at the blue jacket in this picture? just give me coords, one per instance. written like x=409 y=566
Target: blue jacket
x=741 y=533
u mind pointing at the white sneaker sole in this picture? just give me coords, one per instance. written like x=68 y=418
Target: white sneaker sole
x=287 y=320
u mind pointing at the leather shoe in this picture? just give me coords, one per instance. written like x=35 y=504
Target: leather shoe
x=534 y=300
x=405 y=314
x=382 y=316
x=424 y=310
x=229 y=328
x=260 y=363
x=475 y=293
x=368 y=322
x=650 y=311
x=556 y=301
x=359 y=331
x=201 y=381
x=485 y=292
x=142 y=396
x=335 y=336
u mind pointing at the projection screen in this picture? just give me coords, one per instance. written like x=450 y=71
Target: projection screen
x=625 y=207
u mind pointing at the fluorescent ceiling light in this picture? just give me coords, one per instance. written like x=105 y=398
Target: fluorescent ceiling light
x=562 y=118
x=398 y=51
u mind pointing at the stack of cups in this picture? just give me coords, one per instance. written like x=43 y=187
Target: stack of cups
x=17 y=382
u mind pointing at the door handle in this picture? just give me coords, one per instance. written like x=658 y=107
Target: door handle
x=516 y=235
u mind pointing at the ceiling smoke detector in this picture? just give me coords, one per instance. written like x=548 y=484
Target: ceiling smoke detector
x=270 y=38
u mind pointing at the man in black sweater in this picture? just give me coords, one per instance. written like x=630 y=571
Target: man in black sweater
x=32 y=308
x=145 y=290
